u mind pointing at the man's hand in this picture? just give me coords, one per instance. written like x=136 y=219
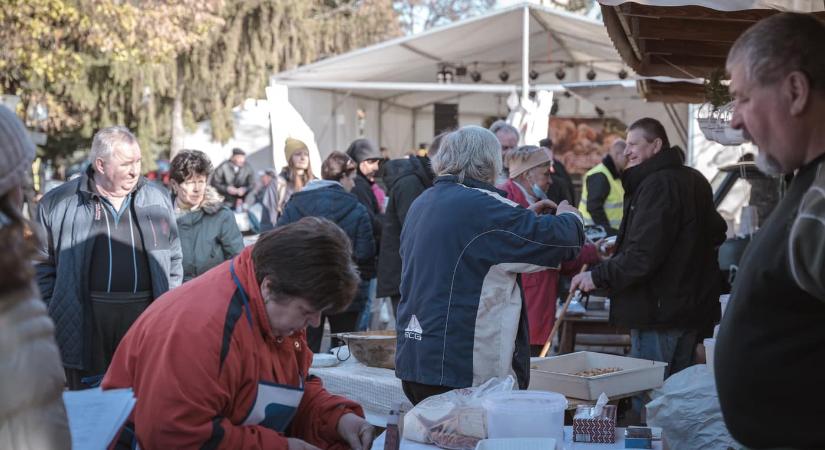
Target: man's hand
x=543 y=206
x=232 y=190
x=241 y=191
x=605 y=248
x=297 y=444
x=583 y=281
x=356 y=431
x=565 y=207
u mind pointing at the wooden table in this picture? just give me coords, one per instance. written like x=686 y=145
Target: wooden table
x=592 y=322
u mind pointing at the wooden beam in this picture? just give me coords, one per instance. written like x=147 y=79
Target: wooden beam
x=686 y=30
x=674 y=47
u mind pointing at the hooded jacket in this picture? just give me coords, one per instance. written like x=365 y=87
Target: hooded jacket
x=66 y=214
x=461 y=320
x=406 y=179
x=195 y=359
x=209 y=235
x=665 y=272
x=328 y=199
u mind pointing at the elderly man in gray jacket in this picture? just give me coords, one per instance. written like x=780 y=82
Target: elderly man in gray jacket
x=111 y=247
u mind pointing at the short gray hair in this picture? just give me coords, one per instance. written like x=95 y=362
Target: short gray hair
x=106 y=139
x=500 y=125
x=470 y=151
x=779 y=45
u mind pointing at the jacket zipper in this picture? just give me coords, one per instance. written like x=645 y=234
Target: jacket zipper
x=152 y=226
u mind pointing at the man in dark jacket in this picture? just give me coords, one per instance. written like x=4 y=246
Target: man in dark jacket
x=406 y=180
x=771 y=343
x=330 y=198
x=112 y=247
x=664 y=278
x=367 y=160
x=234 y=179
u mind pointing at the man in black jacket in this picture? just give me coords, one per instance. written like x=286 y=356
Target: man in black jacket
x=234 y=179
x=664 y=278
x=406 y=179
x=771 y=343
x=561 y=185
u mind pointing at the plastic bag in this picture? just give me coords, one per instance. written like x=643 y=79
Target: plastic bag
x=453 y=420
x=687 y=409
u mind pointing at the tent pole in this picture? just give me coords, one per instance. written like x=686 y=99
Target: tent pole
x=380 y=121
x=525 y=55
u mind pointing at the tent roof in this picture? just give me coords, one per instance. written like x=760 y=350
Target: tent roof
x=489 y=44
x=685 y=38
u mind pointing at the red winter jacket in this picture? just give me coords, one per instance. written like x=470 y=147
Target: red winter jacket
x=541 y=288
x=194 y=362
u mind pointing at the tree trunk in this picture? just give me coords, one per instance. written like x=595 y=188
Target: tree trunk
x=178 y=129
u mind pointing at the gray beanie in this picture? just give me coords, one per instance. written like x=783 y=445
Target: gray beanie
x=16 y=151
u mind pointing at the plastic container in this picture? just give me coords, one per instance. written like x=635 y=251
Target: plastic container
x=525 y=414
x=516 y=444
x=557 y=374
x=710 y=345
x=723 y=302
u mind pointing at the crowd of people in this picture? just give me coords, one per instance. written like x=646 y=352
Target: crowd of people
x=136 y=286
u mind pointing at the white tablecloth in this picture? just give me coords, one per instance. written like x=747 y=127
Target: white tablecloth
x=375 y=389
x=378 y=444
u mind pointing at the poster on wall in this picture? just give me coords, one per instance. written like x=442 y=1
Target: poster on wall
x=581 y=143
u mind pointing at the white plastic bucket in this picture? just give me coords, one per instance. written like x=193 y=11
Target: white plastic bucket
x=710 y=345
x=526 y=414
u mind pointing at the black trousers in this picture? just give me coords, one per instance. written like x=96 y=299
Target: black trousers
x=112 y=315
x=417 y=392
x=338 y=323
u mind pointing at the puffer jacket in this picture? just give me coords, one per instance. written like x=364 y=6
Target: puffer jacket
x=32 y=415
x=209 y=235
x=406 y=180
x=328 y=199
x=66 y=214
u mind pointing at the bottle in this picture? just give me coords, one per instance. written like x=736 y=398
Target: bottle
x=392 y=439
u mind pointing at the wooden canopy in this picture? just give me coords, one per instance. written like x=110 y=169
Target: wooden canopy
x=676 y=41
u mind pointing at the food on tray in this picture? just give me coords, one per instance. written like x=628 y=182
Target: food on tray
x=597 y=371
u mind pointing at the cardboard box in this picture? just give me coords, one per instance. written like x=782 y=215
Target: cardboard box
x=557 y=374
x=600 y=429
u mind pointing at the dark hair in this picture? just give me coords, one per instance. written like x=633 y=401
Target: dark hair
x=337 y=166
x=310 y=259
x=188 y=163
x=652 y=129
x=19 y=246
x=780 y=44
x=546 y=143
x=436 y=144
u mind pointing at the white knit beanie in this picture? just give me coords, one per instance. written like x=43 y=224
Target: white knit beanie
x=16 y=151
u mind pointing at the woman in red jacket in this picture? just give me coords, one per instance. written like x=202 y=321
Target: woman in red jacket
x=530 y=169
x=222 y=361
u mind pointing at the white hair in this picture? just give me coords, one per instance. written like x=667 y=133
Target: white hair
x=472 y=152
x=500 y=125
x=107 y=139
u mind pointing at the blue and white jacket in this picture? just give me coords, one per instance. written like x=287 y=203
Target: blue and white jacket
x=461 y=320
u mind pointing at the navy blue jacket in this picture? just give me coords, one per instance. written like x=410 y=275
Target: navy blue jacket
x=328 y=199
x=461 y=320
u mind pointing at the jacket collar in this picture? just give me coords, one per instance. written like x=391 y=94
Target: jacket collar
x=321 y=184
x=666 y=159
x=470 y=183
x=245 y=270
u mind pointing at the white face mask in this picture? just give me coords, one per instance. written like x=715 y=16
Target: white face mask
x=541 y=195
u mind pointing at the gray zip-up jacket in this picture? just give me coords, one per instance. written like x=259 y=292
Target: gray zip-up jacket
x=66 y=213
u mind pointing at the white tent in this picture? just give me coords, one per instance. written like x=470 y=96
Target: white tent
x=386 y=92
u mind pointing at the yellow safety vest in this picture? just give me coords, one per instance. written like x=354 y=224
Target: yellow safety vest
x=614 y=202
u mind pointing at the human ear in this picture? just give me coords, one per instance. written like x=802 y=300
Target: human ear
x=797 y=89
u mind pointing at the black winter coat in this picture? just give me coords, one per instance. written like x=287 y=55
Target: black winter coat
x=225 y=176
x=322 y=198
x=406 y=179
x=665 y=272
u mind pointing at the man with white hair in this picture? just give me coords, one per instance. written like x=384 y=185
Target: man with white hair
x=112 y=247
x=508 y=136
x=771 y=344
x=461 y=320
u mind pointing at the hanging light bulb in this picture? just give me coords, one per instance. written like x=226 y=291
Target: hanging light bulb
x=503 y=76
x=622 y=74
x=591 y=74
x=475 y=76
x=534 y=74
x=560 y=73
